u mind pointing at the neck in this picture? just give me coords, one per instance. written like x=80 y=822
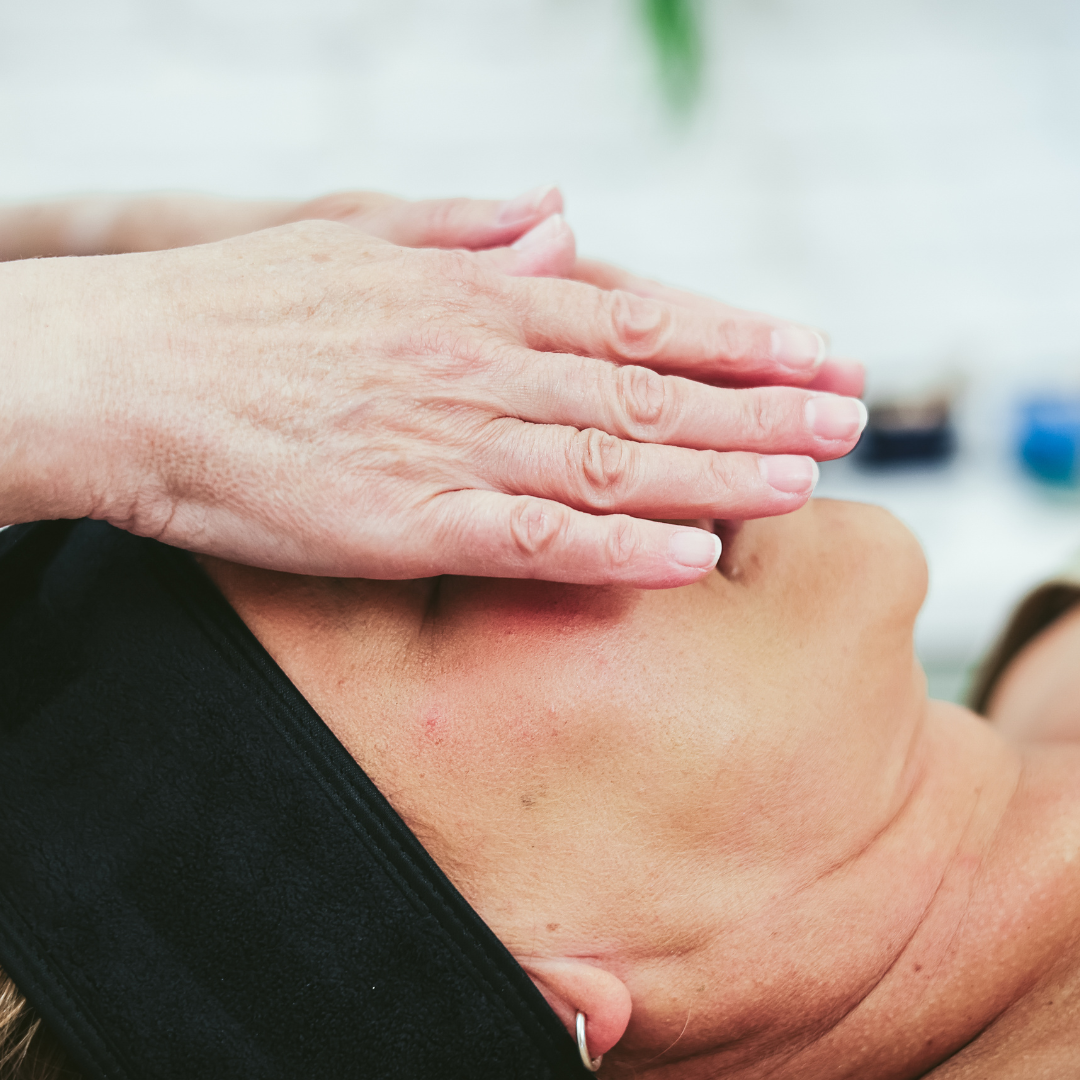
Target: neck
x=934 y=947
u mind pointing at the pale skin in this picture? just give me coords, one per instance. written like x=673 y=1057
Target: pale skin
x=338 y=396
x=724 y=821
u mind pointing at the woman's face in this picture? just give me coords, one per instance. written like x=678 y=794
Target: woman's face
x=785 y=679
x=641 y=772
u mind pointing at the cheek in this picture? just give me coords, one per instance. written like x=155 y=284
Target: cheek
x=526 y=727
x=523 y=698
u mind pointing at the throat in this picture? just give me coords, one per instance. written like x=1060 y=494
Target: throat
x=890 y=964
x=987 y=967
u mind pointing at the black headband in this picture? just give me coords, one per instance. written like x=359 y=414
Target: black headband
x=196 y=880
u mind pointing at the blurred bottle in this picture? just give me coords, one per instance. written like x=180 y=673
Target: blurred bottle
x=910 y=429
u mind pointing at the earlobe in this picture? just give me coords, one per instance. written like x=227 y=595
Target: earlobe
x=572 y=986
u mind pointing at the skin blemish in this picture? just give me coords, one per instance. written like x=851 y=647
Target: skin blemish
x=431 y=730
x=552 y=927
x=321 y=258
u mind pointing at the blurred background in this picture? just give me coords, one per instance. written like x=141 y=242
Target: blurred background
x=902 y=173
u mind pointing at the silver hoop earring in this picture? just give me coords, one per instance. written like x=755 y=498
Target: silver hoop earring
x=592 y=1064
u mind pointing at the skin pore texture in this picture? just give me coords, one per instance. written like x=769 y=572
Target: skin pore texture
x=724 y=821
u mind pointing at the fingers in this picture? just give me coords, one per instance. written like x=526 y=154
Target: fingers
x=546 y=251
x=636 y=403
x=474 y=224
x=489 y=534
x=571 y=317
x=845 y=377
x=835 y=376
x=594 y=471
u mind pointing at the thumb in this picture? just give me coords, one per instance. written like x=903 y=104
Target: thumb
x=473 y=224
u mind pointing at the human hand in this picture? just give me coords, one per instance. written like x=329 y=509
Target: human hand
x=312 y=399
x=480 y=225
x=121 y=224
x=542 y=243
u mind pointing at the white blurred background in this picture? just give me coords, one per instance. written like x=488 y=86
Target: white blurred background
x=903 y=173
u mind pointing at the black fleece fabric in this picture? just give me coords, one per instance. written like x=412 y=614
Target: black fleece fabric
x=196 y=880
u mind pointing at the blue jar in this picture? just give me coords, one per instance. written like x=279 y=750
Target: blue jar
x=1049 y=438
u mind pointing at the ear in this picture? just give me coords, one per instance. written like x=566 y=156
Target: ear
x=573 y=986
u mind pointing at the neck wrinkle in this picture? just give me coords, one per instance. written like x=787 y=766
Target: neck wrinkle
x=968 y=868
x=926 y=973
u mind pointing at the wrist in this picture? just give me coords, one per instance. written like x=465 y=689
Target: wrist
x=47 y=407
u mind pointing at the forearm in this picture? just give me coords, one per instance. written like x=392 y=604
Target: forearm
x=107 y=224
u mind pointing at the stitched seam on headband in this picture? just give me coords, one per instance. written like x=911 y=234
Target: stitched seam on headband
x=41 y=982
x=358 y=800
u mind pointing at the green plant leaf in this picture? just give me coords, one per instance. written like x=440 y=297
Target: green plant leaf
x=675 y=29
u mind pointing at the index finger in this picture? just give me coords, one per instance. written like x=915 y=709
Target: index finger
x=727 y=347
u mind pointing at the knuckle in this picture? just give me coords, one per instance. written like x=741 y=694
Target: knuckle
x=622 y=544
x=454 y=265
x=537 y=525
x=726 y=340
x=724 y=473
x=758 y=419
x=472 y=290
x=320 y=230
x=642 y=397
x=603 y=463
x=639 y=327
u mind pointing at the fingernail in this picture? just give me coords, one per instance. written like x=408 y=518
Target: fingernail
x=799 y=349
x=547 y=230
x=790 y=474
x=830 y=416
x=696 y=548
x=536 y=203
